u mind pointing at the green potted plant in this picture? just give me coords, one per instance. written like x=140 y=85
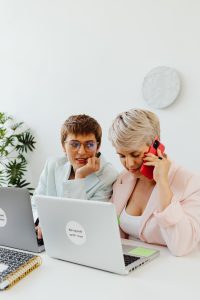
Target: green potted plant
x=15 y=143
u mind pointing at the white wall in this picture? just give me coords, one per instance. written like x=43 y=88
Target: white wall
x=63 y=57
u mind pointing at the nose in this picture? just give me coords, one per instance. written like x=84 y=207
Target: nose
x=81 y=150
x=130 y=162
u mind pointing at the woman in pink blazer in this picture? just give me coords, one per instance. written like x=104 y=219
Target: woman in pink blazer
x=164 y=209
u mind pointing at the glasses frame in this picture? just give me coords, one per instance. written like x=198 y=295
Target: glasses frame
x=72 y=143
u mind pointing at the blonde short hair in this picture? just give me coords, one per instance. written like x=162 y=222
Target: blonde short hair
x=134 y=128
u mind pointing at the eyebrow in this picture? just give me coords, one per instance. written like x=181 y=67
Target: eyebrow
x=132 y=153
x=80 y=141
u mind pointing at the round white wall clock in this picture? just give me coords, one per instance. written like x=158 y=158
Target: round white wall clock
x=161 y=87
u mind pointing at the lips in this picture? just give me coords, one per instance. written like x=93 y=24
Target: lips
x=134 y=170
x=81 y=160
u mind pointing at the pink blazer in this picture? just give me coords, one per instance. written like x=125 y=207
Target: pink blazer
x=178 y=226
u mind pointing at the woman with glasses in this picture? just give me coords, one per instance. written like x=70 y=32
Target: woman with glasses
x=157 y=201
x=82 y=173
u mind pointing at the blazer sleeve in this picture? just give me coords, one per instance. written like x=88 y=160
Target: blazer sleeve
x=96 y=187
x=41 y=189
x=180 y=221
x=42 y=184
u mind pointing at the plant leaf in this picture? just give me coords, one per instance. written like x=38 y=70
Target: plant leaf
x=2 y=132
x=4 y=118
x=15 y=171
x=13 y=147
x=26 y=141
x=16 y=125
x=22 y=184
x=21 y=158
x=2 y=178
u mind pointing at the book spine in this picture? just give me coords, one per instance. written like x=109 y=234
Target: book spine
x=23 y=270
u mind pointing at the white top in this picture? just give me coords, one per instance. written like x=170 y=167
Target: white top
x=130 y=224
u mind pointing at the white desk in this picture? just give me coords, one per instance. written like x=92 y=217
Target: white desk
x=166 y=277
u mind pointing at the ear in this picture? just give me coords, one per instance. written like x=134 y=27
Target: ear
x=98 y=147
x=63 y=147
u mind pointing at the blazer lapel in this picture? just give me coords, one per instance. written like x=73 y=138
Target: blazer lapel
x=154 y=201
x=62 y=173
x=152 y=205
x=122 y=191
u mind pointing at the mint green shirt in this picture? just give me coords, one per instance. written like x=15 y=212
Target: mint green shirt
x=54 y=182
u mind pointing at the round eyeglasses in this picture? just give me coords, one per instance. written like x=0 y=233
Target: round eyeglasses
x=88 y=145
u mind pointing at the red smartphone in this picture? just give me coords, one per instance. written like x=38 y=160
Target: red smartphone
x=148 y=170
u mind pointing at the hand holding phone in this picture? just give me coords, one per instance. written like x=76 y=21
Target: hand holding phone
x=148 y=170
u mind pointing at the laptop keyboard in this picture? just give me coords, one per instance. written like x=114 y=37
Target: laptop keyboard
x=128 y=259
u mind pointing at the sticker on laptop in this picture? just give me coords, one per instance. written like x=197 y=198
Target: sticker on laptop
x=76 y=233
x=3 y=218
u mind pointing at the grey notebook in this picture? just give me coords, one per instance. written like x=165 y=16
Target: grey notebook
x=14 y=265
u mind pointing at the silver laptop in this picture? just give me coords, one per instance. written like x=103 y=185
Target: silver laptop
x=17 y=228
x=86 y=232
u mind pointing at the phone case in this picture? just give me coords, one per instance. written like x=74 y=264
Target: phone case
x=148 y=170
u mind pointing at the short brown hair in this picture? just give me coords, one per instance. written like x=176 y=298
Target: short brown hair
x=81 y=124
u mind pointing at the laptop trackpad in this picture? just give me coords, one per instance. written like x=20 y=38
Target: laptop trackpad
x=138 y=251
